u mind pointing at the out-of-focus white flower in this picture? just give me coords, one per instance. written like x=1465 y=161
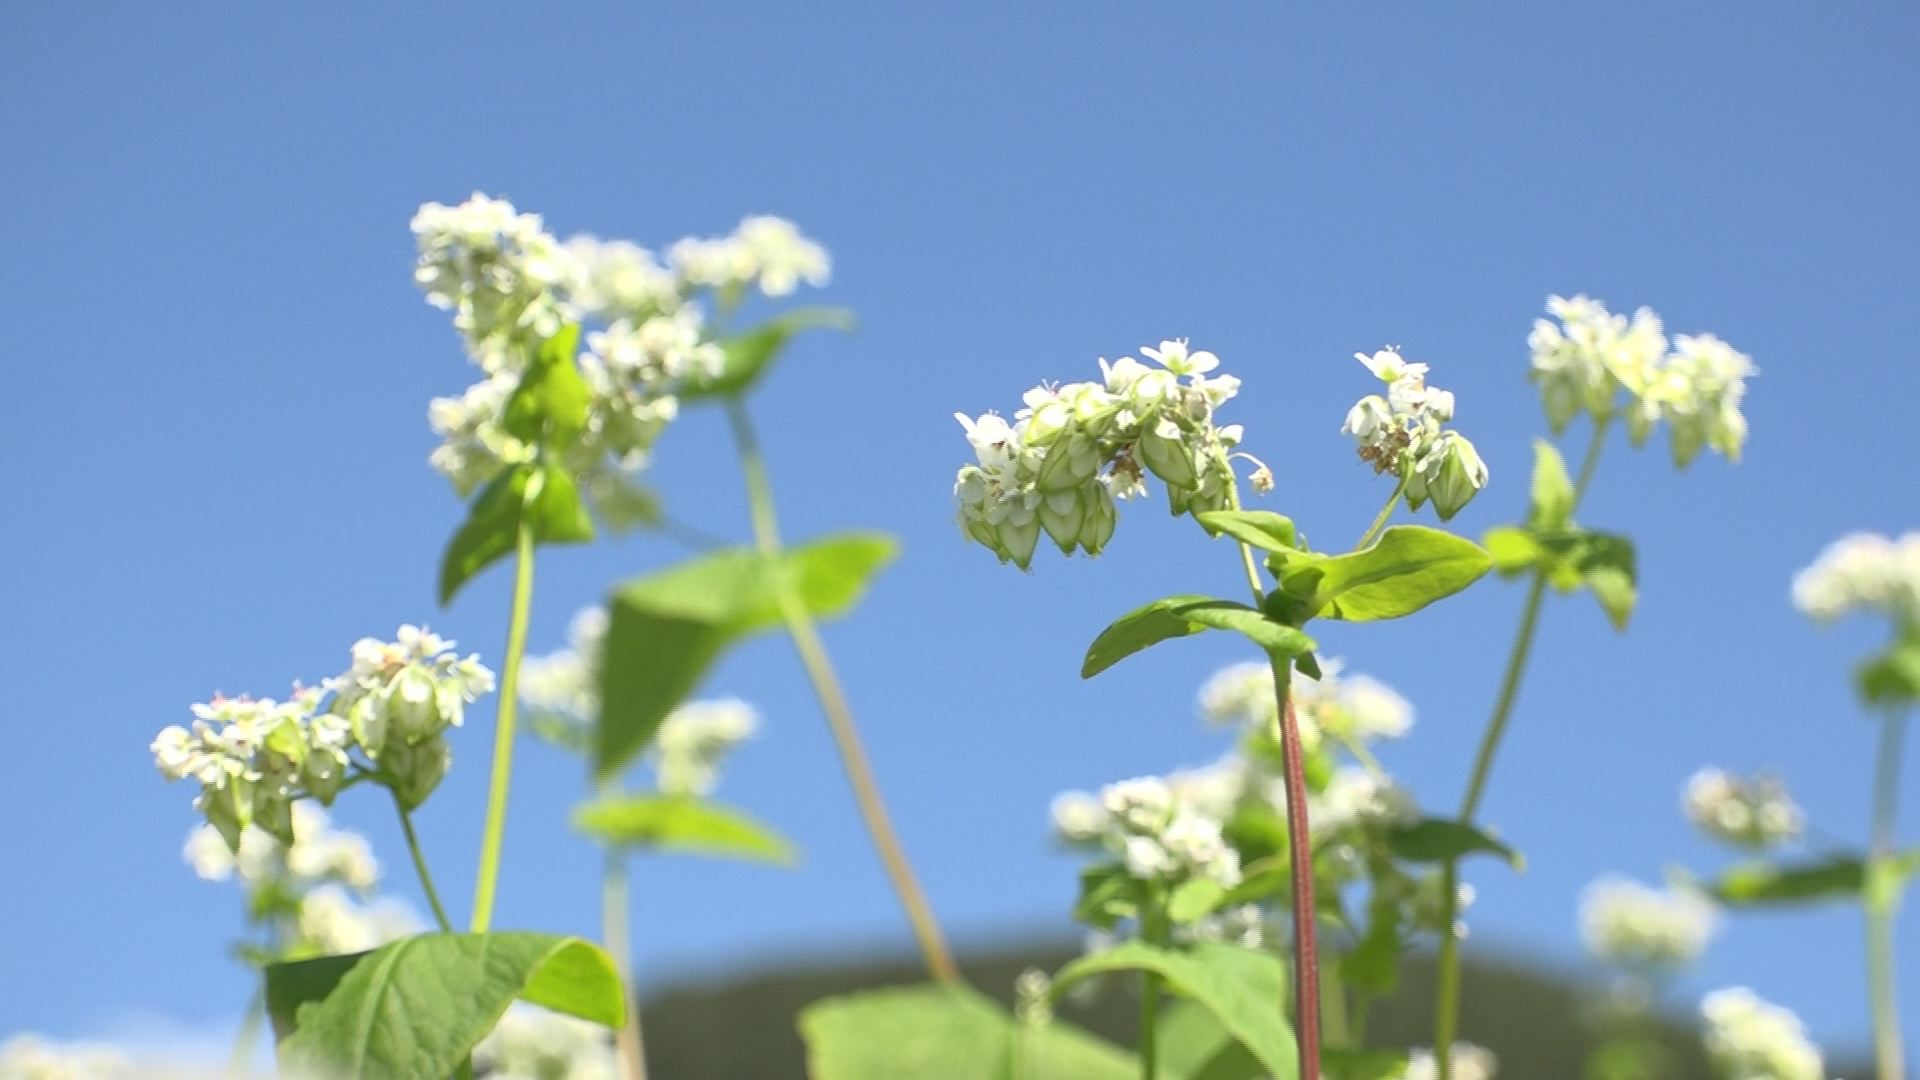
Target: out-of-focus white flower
x=1356 y=796
x=1864 y=572
x=1467 y=1061
x=1078 y=817
x=531 y=1043
x=1637 y=927
x=34 y=1057
x=1754 y=812
x=765 y=251
x=1244 y=925
x=695 y=737
x=1749 y=1039
x=1143 y=804
x=331 y=922
x=320 y=854
x=620 y=280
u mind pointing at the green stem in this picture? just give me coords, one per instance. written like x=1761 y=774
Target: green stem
x=1882 y=897
x=1248 y=561
x=1380 y=519
x=1333 y=1008
x=1446 y=1023
x=1306 y=947
x=833 y=702
x=496 y=824
x=420 y=864
x=615 y=918
x=240 y=1061
x=1153 y=932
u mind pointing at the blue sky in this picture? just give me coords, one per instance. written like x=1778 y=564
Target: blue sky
x=221 y=369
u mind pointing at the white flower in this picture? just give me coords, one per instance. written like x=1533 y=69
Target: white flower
x=765 y=251
x=1467 y=1061
x=1390 y=367
x=331 y=923
x=694 y=738
x=531 y=1043
x=408 y=690
x=1753 y=813
x=1143 y=804
x=502 y=275
x=1749 y=1039
x=1629 y=924
x=34 y=1057
x=1863 y=572
x=1079 y=818
x=1405 y=430
x=1355 y=796
x=1195 y=848
x=1176 y=357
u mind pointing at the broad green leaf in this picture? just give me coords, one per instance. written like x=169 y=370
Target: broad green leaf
x=1552 y=489
x=947 y=1033
x=680 y=824
x=665 y=630
x=549 y=407
x=1364 y=1064
x=1512 y=549
x=1180 y=616
x=1194 y=899
x=1815 y=881
x=1244 y=989
x=1892 y=677
x=1194 y=1045
x=415 y=1009
x=544 y=496
x=1263 y=529
x=1443 y=840
x=747 y=356
x=1409 y=567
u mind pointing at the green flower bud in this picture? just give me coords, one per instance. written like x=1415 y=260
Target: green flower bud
x=1096 y=527
x=414 y=770
x=1162 y=449
x=1454 y=474
x=1017 y=537
x=1070 y=463
x=1063 y=514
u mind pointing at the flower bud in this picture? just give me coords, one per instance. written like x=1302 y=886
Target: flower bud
x=1454 y=474
x=1162 y=449
x=1017 y=536
x=413 y=770
x=1069 y=463
x=1096 y=528
x=1063 y=514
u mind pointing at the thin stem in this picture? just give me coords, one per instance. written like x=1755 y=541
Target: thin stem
x=1882 y=899
x=1306 y=949
x=1248 y=561
x=240 y=1060
x=1333 y=1004
x=489 y=877
x=614 y=921
x=1153 y=930
x=1446 y=1023
x=420 y=864
x=1380 y=519
x=833 y=702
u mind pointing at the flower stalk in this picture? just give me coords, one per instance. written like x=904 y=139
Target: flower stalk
x=1882 y=897
x=487 y=881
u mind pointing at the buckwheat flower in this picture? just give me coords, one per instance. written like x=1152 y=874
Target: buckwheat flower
x=1390 y=367
x=504 y=277
x=332 y=923
x=1449 y=472
x=765 y=251
x=1754 y=813
x=1032 y=994
x=1212 y=791
x=407 y=691
x=1177 y=358
x=1079 y=818
x=1359 y=797
x=1571 y=360
x=1143 y=804
x=1195 y=849
x=35 y=1057
x=1864 y=572
x=563 y=688
x=1466 y=1062
x=1706 y=413
x=620 y=280
x=693 y=740
x=1639 y=928
x=1244 y=925
x=1367 y=709
x=1749 y=1039
x=1404 y=433
x=475 y=446
x=531 y=1043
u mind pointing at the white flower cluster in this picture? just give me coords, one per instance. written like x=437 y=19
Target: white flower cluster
x=1466 y=1061
x=1159 y=831
x=320 y=854
x=531 y=1043
x=1346 y=708
x=1360 y=797
x=34 y=1057
x=1752 y=812
x=1640 y=928
x=332 y=923
x=563 y=689
x=1864 y=572
x=254 y=758
x=1075 y=448
x=1749 y=1039
x=1591 y=357
x=511 y=285
x=1404 y=433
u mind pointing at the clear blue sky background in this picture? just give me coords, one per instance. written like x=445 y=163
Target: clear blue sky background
x=220 y=367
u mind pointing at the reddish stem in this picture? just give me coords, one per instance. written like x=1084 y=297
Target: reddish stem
x=1306 y=960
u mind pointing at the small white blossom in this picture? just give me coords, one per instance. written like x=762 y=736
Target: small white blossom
x=34 y=1057
x=1749 y=1039
x=765 y=251
x=531 y=1043
x=331 y=923
x=1755 y=812
x=695 y=737
x=504 y=277
x=1079 y=818
x=1355 y=796
x=1864 y=572
x=1467 y=1062
x=1631 y=925
x=1404 y=433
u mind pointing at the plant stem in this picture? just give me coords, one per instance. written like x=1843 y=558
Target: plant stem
x=1380 y=519
x=1882 y=897
x=240 y=1060
x=420 y=864
x=1153 y=930
x=1446 y=1023
x=833 y=702
x=614 y=920
x=489 y=877
x=1306 y=948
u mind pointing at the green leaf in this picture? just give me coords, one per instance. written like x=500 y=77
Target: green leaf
x=1244 y=989
x=1364 y=1064
x=1443 y=840
x=749 y=355
x=1194 y=1045
x=544 y=496
x=1180 y=616
x=665 y=630
x=1552 y=489
x=1808 y=882
x=1409 y=567
x=946 y=1033
x=1892 y=677
x=1512 y=549
x=680 y=824
x=1606 y=564
x=415 y=1009
x=1263 y=529
x=1194 y=899
x=549 y=407
x=1108 y=894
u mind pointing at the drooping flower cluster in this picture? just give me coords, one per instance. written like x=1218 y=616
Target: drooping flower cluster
x=563 y=690
x=1075 y=448
x=254 y=758
x=1466 y=1060
x=1753 y=812
x=1404 y=432
x=532 y=1043
x=511 y=285
x=1607 y=365
x=1749 y=1039
x=1642 y=929
x=1864 y=572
